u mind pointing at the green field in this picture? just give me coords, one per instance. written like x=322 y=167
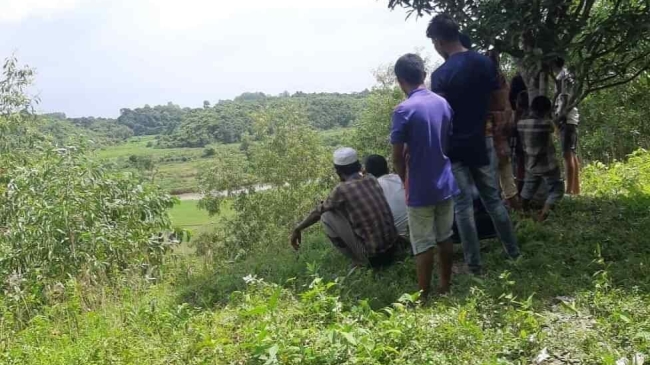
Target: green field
x=138 y=146
x=176 y=169
x=189 y=216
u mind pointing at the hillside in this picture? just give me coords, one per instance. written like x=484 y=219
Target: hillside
x=227 y=121
x=579 y=295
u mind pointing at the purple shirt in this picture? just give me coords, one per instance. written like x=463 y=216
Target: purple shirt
x=423 y=123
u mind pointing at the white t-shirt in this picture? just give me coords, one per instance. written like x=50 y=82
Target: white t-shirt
x=396 y=197
x=565 y=79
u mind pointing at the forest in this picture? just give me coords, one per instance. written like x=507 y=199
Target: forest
x=227 y=121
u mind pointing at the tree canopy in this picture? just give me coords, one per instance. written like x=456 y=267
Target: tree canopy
x=605 y=42
x=228 y=120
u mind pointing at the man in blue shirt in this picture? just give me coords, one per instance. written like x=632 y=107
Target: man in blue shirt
x=423 y=123
x=467 y=80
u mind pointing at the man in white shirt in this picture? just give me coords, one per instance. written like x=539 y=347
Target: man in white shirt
x=393 y=188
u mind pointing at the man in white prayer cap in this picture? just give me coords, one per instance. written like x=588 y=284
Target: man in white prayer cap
x=355 y=216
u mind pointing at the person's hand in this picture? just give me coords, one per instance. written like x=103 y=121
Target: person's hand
x=296 y=239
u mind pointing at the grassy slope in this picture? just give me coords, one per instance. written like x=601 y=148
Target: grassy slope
x=581 y=293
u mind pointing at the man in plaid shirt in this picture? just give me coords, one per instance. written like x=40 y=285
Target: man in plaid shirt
x=356 y=216
x=536 y=135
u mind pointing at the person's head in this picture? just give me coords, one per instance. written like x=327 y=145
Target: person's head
x=346 y=162
x=410 y=73
x=444 y=34
x=376 y=165
x=558 y=64
x=541 y=106
x=522 y=100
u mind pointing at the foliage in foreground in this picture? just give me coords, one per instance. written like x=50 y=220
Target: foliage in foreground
x=63 y=216
x=578 y=296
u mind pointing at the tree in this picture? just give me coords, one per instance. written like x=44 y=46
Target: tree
x=605 y=42
x=62 y=215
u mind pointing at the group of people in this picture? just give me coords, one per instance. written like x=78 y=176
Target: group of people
x=448 y=142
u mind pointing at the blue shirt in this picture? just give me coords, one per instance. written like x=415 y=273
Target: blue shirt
x=466 y=81
x=423 y=123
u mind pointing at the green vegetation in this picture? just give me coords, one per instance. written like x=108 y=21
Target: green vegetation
x=63 y=216
x=188 y=215
x=616 y=121
x=600 y=40
x=101 y=131
x=228 y=121
x=580 y=293
x=91 y=270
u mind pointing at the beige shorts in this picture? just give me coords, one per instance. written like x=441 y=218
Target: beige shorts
x=430 y=225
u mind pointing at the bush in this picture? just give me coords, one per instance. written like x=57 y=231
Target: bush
x=63 y=215
x=615 y=121
x=291 y=160
x=619 y=178
x=209 y=152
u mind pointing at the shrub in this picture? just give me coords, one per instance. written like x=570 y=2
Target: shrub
x=63 y=214
x=209 y=152
x=290 y=160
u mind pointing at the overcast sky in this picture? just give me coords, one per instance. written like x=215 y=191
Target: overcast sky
x=94 y=57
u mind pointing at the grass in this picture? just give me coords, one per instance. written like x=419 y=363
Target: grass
x=189 y=216
x=177 y=176
x=578 y=296
x=177 y=168
x=137 y=146
x=180 y=177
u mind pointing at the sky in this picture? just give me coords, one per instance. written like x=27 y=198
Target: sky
x=94 y=57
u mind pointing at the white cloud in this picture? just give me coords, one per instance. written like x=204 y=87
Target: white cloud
x=18 y=10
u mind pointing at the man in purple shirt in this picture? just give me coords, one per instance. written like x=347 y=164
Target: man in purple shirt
x=423 y=124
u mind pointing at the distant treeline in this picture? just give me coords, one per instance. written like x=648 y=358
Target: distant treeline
x=224 y=122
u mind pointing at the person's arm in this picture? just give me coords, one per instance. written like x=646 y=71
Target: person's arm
x=333 y=201
x=398 y=138
x=399 y=161
x=296 y=235
x=558 y=92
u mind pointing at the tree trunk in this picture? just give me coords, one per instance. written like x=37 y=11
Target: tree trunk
x=533 y=77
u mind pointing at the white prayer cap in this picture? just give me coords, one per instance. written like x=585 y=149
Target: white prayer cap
x=345 y=156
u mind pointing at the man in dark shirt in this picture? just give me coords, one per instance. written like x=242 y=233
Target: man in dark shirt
x=467 y=80
x=356 y=216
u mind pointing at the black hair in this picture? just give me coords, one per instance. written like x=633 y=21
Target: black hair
x=517 y=86
x=410 y=69
x=348 y=170
x=522 y=100
x=443 y=27
x=465 y=40
x=541 y=105
x=558 y=62
x=376 y=165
